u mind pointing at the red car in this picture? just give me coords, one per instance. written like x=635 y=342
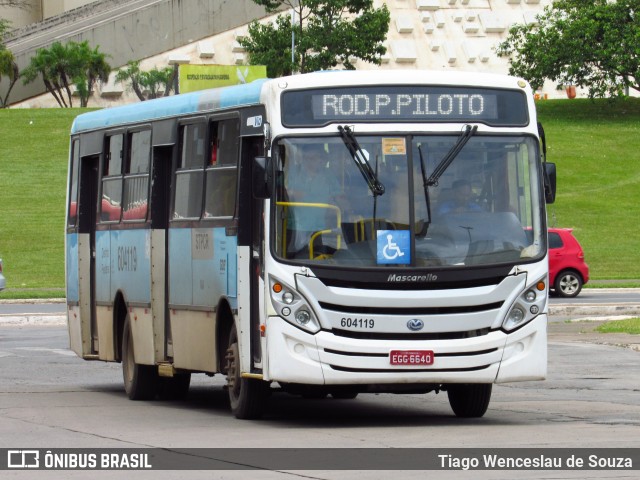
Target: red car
x=568 y=271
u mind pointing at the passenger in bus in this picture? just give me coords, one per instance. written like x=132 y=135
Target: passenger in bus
x=460 y=199
x=312 y=189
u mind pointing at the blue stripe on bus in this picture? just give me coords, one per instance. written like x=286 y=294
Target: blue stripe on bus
x=186 y=103
x=73 y=280
x=203 y=264
x=123 y=263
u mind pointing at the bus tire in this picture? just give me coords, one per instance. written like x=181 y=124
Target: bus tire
x=140 y=381
x=469 y=400
x=247 y=396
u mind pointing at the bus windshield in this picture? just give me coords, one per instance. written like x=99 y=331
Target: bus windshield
x=483 y=208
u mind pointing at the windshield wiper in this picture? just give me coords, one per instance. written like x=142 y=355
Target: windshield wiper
x=464 y=137
x=425 y=186
x=361 y=161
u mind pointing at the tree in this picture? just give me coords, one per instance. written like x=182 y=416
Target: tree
x=326 y=33
x=8 y=66
x=88 y=67
x=595 y=45
x=147 y=85
x=42 y=63
x=61 y=66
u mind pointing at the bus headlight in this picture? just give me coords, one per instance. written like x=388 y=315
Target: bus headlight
x=527 y=306
x=516 y=315
x=287 y=297
x=303 y=317
x=292 y=306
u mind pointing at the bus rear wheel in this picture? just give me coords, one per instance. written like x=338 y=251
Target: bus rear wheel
x=469 y=400
x=140 y=381
x=247 y=396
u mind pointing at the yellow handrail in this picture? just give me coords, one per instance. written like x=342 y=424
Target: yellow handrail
x=318 y=233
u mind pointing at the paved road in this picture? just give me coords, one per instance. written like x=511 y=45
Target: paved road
x=601 y=296
x=51 y=399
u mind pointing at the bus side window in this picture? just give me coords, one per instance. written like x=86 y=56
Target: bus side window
x=111 y=204
x=190 y=172
x=222 y=176
x=72 y=217
x=136 y=181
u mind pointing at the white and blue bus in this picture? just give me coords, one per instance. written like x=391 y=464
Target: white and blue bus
x=332 y=233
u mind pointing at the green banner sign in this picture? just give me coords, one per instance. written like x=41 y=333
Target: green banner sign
x=201 y=77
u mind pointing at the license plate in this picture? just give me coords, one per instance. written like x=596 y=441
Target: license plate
x=411 y=357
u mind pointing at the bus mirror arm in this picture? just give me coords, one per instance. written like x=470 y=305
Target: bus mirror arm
x=549 y=182
x=262 y=178
x=549 y=169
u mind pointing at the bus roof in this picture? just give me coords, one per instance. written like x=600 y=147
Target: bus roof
x=401 y=77
x=250 y=94
x=213 y=99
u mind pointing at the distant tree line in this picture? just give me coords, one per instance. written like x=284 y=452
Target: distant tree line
x=75 y=68
x=595 y=45
x=148 y=85
x=62 y=67
x=8 y=67
x=318 y=36
x=589 y=44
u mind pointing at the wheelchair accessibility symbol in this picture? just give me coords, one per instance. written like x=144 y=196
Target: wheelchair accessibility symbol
x=394 y=247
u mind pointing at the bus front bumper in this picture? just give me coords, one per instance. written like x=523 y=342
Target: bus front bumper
x=295 y=356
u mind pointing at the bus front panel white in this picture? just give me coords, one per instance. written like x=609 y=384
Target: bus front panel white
x=299 y=357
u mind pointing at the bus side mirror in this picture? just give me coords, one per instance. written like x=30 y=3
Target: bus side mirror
x=262 y=179
x=550 y=182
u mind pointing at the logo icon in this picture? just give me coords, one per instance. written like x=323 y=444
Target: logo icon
x=415 y=324
x=23 y=459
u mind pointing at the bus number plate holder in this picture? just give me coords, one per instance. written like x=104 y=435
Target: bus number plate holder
x=411 y=357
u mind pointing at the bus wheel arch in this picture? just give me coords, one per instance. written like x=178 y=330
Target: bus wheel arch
x=247 y=396
x=140 y=381
x=224 y=323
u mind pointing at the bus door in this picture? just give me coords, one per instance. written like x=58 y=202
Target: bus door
x=251 y=235
x=160 y=211
x=250 y=212
x=86 y=250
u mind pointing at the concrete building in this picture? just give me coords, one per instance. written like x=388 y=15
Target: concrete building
x=35 y=11
x=423 y=34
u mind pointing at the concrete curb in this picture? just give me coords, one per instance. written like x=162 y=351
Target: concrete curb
x=32 y=320
x=595 y=310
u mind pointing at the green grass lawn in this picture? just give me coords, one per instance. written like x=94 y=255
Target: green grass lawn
x=630 y=325
x=595 y=145
x=34 y=145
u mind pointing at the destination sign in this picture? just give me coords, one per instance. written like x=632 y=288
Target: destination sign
x=404 y=104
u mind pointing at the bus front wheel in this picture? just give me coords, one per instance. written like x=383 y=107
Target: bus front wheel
x=247 y=396
x=140 y=381
x=469 y=400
